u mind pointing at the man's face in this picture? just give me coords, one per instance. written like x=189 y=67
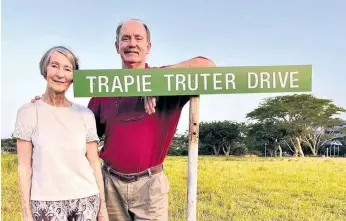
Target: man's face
x=133 y=43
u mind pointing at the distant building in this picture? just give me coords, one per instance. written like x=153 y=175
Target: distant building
x=335 y=145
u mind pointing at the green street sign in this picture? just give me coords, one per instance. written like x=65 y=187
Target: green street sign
x=192 y=81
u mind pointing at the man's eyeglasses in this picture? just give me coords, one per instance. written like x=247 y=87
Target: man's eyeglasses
x=124 y=115
x=127 y=117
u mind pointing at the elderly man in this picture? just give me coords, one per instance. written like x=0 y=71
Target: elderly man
x=138 y=137
x=138 y=133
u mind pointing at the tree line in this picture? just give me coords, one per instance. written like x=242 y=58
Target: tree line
x=297 y=125
x=290 y=125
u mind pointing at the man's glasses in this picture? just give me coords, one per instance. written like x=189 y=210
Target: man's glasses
x=127 y=117
x=124 y=115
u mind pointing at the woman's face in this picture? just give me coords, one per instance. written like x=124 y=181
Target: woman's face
x=59 y=73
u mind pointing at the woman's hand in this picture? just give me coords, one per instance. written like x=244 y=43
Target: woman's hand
x=28 y=217
x=92 y=156
x=24 y=153
x=103 y=214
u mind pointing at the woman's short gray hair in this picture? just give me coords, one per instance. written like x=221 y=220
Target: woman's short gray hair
x=44 y=62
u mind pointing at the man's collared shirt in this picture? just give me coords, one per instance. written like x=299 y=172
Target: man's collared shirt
x=135 y=140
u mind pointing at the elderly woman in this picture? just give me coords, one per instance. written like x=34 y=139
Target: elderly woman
x=57 y=144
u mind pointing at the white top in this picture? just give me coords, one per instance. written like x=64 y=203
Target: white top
x=59 y=135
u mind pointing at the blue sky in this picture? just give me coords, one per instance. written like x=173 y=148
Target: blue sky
x=230 y=33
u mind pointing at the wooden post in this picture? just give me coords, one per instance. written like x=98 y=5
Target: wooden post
x=193 y=159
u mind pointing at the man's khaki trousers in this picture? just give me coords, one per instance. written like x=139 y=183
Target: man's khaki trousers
x=144 y=199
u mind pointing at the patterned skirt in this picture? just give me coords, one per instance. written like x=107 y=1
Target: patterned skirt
x=85 y=209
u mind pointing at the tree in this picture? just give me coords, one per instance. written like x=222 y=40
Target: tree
x=9 y=145
x=300 y=115
x=220 y=135
x=267 y=133
x=315 y=140
x=179 y=146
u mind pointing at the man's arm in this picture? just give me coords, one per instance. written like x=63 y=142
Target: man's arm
x=24 y=153
x=177 y=101
x=197 y=62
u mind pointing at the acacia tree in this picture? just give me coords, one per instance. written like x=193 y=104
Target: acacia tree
x=300 y=115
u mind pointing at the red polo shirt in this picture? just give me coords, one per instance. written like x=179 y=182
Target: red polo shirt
x=134 y=140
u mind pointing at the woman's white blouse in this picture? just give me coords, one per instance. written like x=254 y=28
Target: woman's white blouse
x=59 y=135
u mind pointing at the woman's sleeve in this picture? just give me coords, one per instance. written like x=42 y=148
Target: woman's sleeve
x=25 y=123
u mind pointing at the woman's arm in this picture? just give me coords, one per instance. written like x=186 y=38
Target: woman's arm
x=92 y=155
x=24 y=154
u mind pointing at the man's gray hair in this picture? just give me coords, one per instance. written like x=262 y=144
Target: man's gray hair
x=133 y=19
x=44 y=62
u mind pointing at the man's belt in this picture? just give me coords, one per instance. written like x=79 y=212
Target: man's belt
x=132 y=177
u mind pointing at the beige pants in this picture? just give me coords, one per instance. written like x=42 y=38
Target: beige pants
x=145 y=199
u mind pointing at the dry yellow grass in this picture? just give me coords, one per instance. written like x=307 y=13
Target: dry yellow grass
x=238 y=189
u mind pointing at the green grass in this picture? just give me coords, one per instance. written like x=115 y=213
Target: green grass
x=237 y=189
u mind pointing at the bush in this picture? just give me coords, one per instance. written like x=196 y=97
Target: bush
x=9 y=145
x=178 y=152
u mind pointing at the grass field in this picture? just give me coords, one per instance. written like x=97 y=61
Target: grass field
x=237 y=189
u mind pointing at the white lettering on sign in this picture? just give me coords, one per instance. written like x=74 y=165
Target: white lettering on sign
x=103 y=81
x=230 y=79
x=268 y=80
x=265 y=76
x=169 y=76
x=146 y=82
x=91 y=83
x=292 y=79
x=116 y=84
x=129 y=80
x=180 y=80
x=194 y=82
x=205 y=80
x=250 y=76
x=217 y=81
x=138 y=85
x=121 y=84
x=282 y=81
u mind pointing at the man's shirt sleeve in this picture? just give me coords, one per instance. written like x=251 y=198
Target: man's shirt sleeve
x=95 y=106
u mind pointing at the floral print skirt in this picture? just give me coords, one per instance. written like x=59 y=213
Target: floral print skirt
x=84 y=209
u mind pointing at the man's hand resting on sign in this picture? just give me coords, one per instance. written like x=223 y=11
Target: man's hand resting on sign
x=149 y=104
x=36 y=98
x=197 y=62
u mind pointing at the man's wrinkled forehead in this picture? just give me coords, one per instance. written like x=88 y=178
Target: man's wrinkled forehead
x=132 y=28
